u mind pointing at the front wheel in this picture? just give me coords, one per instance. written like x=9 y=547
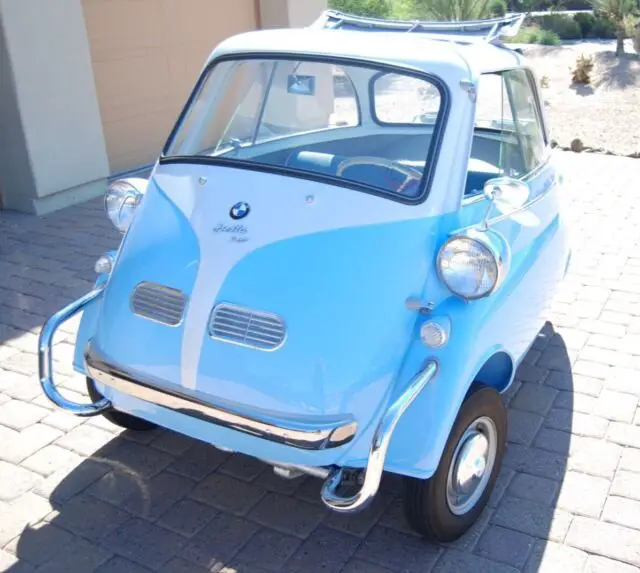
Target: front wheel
x=119 y=418
x=445 y=506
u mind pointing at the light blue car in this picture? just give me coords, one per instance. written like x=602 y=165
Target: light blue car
x=345 y=250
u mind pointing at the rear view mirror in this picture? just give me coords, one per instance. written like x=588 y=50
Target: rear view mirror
x=301 y=85
x=506 y=194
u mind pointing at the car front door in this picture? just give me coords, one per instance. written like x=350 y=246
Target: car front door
x=510 y=140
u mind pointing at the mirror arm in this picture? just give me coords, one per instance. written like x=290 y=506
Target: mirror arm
x=484 y=226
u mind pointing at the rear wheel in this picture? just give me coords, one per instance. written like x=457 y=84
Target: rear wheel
x=445 y=506
x=119 y=418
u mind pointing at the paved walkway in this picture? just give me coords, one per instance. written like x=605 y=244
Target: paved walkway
x=79 y=495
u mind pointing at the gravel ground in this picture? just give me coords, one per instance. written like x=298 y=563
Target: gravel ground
x=605 y=114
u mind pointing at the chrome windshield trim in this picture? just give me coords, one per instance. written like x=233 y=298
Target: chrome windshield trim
x=432 y=153
x=302 y=436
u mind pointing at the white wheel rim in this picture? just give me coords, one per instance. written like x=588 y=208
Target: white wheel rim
x=471 y=465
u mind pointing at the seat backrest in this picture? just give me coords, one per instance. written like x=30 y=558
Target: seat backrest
x=314 y=161
x=479 y=173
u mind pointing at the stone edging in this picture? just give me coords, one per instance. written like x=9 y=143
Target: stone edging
x=577 y=147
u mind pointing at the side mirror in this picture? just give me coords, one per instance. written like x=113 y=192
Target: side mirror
x=506 y=194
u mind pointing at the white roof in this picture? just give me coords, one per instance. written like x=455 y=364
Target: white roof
x=462 y=56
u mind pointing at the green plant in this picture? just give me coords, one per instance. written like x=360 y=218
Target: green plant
x=375 y=8
x=548 y=38
x=443 y=9
x=585 y=20
x=497 y=8
x=528 y=35
x=633 y=32
x=630 y=24
x=581 y=74
x=617 y=11
x=603 y=28
x=565 y=26
x=535 y=35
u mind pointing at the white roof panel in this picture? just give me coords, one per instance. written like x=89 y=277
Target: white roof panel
x=432 y=53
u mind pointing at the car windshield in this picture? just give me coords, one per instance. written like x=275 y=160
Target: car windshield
x=355 y=124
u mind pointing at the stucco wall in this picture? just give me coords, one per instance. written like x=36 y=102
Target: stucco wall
x=146 y=56
x=50 y=132
x=290 y=13
x=17 y=186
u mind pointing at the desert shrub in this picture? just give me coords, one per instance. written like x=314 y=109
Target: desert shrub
x=497 y=8
x=631 y=24
x=534 y=35
x=548 y=38
x=442 y=9
x=575 y=5
x=603 y=28
x=581 y=74
x=633 y=31
x=585 y=20
x=528 y=35
x=564 y=26
x=375 y=8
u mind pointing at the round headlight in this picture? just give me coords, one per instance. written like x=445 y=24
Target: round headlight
x=470 y=265
x=120 y=202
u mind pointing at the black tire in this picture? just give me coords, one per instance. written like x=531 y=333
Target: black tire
x=425 y=501
x=119 y=418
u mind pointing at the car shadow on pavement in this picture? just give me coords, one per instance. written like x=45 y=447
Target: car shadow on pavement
x=159 y=501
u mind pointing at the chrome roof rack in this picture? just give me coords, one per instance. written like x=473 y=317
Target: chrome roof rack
x=487 y=30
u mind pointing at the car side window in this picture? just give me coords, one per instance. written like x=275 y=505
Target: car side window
x=528 y=124
x=508 y=135
x=399 y=99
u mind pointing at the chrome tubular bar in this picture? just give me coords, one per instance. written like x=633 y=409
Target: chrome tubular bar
x=378 y=450
x=45 y=359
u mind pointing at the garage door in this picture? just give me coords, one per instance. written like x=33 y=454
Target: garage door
x=146 y=56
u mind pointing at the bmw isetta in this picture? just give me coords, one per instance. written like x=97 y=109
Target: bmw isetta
x=344 y=251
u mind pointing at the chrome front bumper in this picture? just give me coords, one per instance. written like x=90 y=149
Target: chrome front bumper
x=306 y=437
x=301 y=436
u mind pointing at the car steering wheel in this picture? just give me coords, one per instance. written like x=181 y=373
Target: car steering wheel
x=410 y=173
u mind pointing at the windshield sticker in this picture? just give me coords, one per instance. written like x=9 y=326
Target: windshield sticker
x=301 y=85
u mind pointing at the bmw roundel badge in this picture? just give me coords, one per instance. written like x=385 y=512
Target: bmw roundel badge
x=239 y=210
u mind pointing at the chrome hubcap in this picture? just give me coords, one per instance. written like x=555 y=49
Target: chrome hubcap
x=471 y=465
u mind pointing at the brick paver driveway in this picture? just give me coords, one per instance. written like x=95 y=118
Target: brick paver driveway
x=79 y=495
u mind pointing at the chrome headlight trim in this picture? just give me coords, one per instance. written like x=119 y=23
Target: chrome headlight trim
x=121 y=200
x=493 y=244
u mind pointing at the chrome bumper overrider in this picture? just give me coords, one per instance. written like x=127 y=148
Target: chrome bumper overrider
x=45 y=359
x=378 y=449
x=299 y=436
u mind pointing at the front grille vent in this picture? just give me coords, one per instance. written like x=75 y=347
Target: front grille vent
x=246 y=327
x=159 y=303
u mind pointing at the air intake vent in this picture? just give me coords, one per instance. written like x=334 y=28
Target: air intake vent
x=260 y=330
x=159 y=303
